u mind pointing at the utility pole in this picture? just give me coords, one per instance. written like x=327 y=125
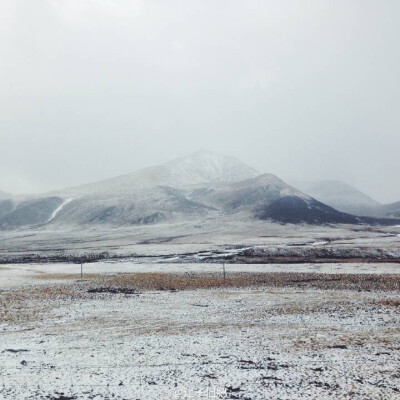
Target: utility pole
x=81 y=269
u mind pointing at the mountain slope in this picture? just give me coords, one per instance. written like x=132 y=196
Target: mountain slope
x=29 y=212
x=201 y=167
x=391 y=210
x=150 y=204
x=145 y=206
x=342 y=197
x=4 y=195
x=201 y=186
x=6 y=206
x=244 y=195
x=146 y=196
x=293 y=209
x=197 y=168
x=263 y=197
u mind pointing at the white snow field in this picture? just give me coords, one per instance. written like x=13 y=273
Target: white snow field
x=131 y=329
x=66 y=338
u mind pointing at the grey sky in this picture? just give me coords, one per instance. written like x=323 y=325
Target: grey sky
x=302 y=89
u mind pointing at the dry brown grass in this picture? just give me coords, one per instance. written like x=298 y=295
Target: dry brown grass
x=191 y=281
x=391 y=303
x=29 y=304
x=385 y=339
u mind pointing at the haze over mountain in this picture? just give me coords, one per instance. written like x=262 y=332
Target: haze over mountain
x=348 y=199
x=94 y=89
x=341 y=196
x=391 y=210
x=199 y=167
x=4 y=195
x=201 y=185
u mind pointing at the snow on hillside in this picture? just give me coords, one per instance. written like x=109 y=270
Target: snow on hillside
x=341 y=196
x=58 y=209
x=392 y=210
x=247 y=194
x=202 y=185
x=199 y=167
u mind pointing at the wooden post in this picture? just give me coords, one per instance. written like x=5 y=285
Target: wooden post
x=223 y=269
x=81 y=269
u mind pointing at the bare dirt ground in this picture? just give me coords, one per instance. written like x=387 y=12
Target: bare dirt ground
x=253 y=335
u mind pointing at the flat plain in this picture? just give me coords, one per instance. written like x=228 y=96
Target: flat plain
x=137 y=331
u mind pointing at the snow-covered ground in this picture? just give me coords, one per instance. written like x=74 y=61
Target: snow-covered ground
x=60 y=341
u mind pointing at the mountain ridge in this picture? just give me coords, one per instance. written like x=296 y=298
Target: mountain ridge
x=199 y=167
x=203 y=185
x=341 y=196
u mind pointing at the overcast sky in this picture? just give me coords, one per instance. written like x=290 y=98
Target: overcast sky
x=91 y=89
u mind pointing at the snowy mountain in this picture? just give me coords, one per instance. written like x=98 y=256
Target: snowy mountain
x=145 y=196
x=201 y=186
x=6 y=204
x=391 y=210
x=201 y=167
x=197 y=168
x=28 y=212
x=342 y=197
x=247 y=195
x=294 y=209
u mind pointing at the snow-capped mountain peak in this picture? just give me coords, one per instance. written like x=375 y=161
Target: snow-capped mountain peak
x=200 y=167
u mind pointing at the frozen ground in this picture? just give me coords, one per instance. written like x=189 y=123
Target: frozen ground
x=65 y=338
